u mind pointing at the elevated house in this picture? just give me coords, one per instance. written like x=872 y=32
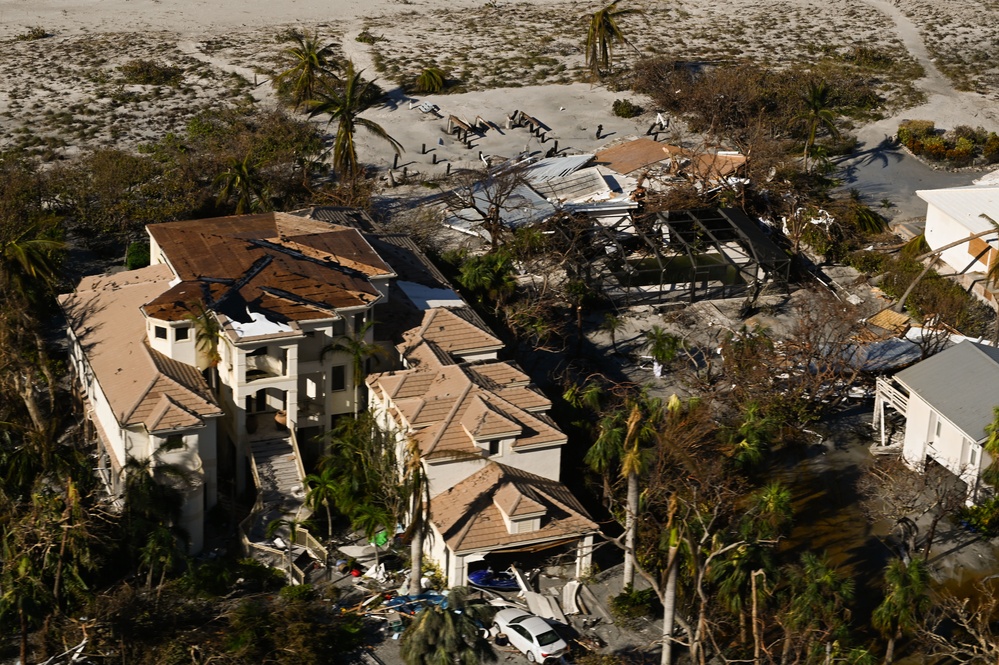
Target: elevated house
x=947 y=402
x=225 y=348
x=958 y=213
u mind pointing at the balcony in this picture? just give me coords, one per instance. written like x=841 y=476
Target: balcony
x=263 y=367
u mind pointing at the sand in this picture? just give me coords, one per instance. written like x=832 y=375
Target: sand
x=64 y=94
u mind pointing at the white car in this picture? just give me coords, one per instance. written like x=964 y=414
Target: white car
x=531 y=635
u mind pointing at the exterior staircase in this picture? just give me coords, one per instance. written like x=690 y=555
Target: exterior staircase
x=281 y=487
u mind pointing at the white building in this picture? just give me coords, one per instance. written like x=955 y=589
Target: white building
x=491 y=452
x=281 y=292
x=948 y=401
x=957 y=213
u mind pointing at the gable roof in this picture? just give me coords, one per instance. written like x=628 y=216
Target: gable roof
x=966 y=204
x=468 y=518
x=143 y=386
x=448 y=407
x=289 y=267
x=960 y=383
x=452 y=333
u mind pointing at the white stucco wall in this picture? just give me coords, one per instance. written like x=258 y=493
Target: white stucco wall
x=942 y=229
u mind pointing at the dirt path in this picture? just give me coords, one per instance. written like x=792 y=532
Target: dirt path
x=944 y=105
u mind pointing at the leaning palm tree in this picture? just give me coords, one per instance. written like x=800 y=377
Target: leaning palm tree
x=443 y=636
x=241 y=181
x=431 y=80
x=817 y=114
x=601 y=36
x=312 y=64
x=344 y=104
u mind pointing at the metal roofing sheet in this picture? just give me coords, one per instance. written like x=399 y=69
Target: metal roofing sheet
x=961 y=384
x=966 y=205
x=555 y=167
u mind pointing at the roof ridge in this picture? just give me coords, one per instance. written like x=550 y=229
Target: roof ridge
x=450 y=416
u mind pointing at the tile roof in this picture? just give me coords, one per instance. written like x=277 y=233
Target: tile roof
x=468 y=518
x=142 y=385
x=450 y=333
x=289 y=267
x=450 y=406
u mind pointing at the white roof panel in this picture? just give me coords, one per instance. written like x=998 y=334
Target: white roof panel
x=966 y=204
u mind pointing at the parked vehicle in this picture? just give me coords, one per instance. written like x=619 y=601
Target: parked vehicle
x=531 y=635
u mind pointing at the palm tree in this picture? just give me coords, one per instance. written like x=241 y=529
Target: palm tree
x=371 y=518
x=344 y=104
x=417 y=487
x=489 y=276
x=612 y=324
x=311 y=65
x=661 y=345
x=906 y=600
x=990 y=474
x=451 y=635
x=817 y=598
x=25 y=599
x=359 y=351
x=323 y=489
x=206 y=333
x=752 y=439
x=602 y=34
x=817 y=114
x=241 y=180
x=430 y=80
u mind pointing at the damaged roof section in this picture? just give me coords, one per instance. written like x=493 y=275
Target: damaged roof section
x=283 y=267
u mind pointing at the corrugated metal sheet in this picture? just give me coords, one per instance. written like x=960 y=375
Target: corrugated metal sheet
x=556 y=167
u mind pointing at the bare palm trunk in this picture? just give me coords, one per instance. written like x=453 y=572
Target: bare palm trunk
x=630 y=529
x=890 y=650
x=669 y=607
x=24 y=636
x=329 y=521
x=416 y=562
x=27 y=394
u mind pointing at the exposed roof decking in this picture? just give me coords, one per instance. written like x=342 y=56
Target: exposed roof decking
x=286 y=266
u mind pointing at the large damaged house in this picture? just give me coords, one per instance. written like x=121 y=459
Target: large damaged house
x=226 y=358
x=222 y=354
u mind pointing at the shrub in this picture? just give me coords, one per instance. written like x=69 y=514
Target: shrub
x=299 y=592
x=148 y=72
x=868 y=262
x=982 y=518
x=365 y=37
x=630 y=605
x=934 y=147
x=625 y=108
x=33 y=33
x=915 y=130
x=990 y=151
x=137 y=255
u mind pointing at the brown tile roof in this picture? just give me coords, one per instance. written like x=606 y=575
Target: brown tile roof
x=449 y=406
x=287 y=266
x=142 y=385
x=515 y=503
x=468 y=518
x=454 y=334
x=484 y=421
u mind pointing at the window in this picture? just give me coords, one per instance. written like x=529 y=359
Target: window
x=160 y=332
x=173 y=442
x=938 y=428
x=973 y=455
x=181 y=333
x=494 y=447
x=339 y=328
x=338 y=378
